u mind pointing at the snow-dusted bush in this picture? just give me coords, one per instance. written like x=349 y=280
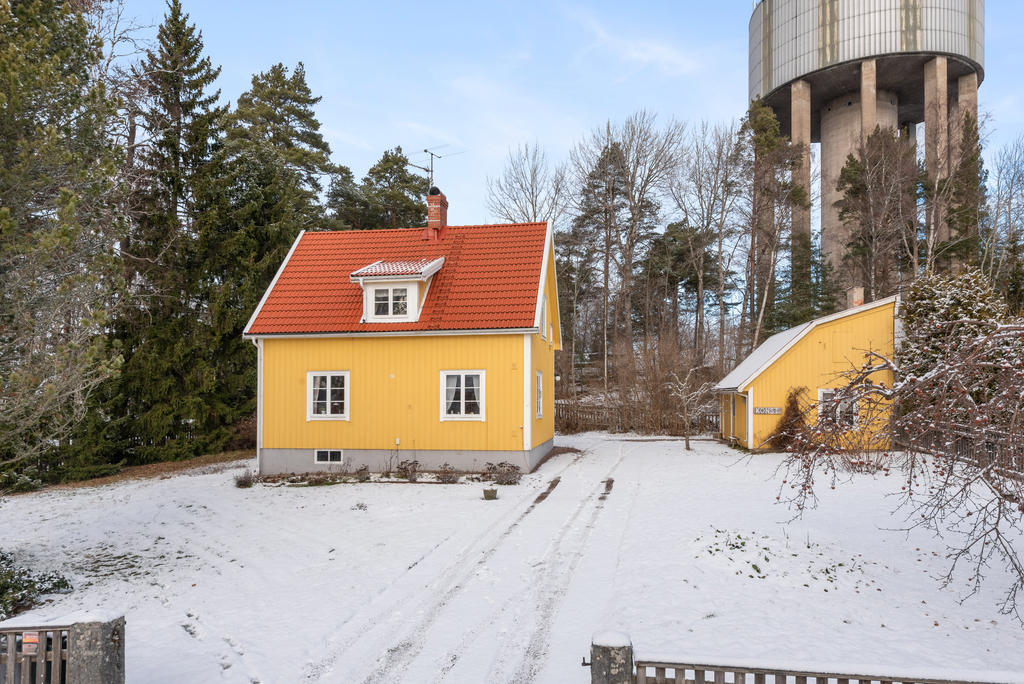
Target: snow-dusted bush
x=244 y=480
x=363 y=473
x=20 y=587
x=447 y=474
x=408 y=470
x=504 y=473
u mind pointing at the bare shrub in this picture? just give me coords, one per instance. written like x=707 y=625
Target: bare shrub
x=408 y=470
x=447 y=474
x=504 y=473
x=362 y=473
x=793 y=421
x=244 y=480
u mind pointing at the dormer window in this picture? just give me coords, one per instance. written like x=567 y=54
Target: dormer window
x=395 y=291
x=391 y=301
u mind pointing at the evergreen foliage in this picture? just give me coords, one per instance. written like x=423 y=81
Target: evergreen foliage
x=938 y=311
x=59 y=223
x=389 y=196
x=161 y=406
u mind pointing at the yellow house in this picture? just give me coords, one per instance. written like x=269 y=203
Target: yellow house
x=813 y=355
x=435 y=344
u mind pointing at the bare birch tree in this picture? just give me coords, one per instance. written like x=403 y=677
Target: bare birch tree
x=529 y=188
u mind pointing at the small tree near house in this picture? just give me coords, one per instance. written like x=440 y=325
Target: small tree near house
x=692 y=396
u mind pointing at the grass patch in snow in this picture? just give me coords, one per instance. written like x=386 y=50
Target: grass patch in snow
x=763 y=557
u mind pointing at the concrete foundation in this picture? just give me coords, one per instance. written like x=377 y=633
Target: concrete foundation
x=286 y=461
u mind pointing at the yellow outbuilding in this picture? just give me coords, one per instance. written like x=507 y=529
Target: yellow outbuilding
x=432 y=344
x=813 y=356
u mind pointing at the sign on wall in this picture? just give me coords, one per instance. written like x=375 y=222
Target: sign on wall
x=767 y=411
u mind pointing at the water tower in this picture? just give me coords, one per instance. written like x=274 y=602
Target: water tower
x=833 y=70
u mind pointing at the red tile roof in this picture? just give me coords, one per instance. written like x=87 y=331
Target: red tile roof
x=490 y=280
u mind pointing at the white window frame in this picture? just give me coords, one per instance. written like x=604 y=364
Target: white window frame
x=540 y=395
x=544 y=318
x=317 y=452
x=823 y=393
x=410 y=294
x=310 y=416
x=445 y=416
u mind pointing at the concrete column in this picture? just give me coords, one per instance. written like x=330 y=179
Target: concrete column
x=936 y=125
x=800 y=133
x=611 y=658
x=96 y=652
x=868 y=98
x=966 y=103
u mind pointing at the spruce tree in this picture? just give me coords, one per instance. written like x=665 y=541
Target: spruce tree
x=160 y=407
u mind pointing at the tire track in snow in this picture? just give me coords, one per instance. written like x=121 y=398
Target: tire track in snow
x=455 y=574
x=548 y=586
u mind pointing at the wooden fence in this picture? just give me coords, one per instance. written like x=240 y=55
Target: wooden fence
x=648 y=672
x=612 y=662
x=37 y=655
x=999 y=450
x=574 y=417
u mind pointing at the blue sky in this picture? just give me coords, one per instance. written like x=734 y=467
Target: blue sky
x=475 y=78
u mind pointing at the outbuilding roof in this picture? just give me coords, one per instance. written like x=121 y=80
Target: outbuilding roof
x=490 y=279
x=769 y=351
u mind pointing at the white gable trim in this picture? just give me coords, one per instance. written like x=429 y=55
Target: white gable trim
x=280 y=270
x=808 y=327
x=543 y=278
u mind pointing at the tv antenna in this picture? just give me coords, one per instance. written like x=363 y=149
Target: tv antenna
x=434 y=155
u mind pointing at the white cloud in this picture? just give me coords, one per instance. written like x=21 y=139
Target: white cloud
x=637 y=52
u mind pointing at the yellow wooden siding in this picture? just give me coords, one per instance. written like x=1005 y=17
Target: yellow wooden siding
x=395 y=385
x=725 y=416
x=739 y=428
x=818 y=360
x=551 y=291
x=542 y=354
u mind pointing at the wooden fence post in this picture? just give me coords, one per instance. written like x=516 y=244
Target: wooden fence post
x=611 y=658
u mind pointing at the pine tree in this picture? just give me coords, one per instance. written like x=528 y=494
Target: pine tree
x=397 y=196
x=278 y=110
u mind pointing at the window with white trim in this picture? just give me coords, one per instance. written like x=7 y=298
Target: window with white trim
x=540 y=395
x=390 y=302
x=844 y=413
x=328 y=456
x=327 y=395
x=462 y=395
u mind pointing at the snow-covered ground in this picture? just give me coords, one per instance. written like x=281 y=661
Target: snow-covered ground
x=687 y=552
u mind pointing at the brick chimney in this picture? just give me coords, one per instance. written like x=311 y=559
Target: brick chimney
x=437 y=214
x=854 y=297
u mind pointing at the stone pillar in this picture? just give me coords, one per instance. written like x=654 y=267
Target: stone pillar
x=868 y=98
x=96 y=652
x=611 y=658
x=800 y=134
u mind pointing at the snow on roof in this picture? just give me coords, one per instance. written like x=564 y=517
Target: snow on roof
x=414 y=267
x=777 y=344
x=761 y=356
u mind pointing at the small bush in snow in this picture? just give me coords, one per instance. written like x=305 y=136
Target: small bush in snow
x=363 y=473
x=408 y=470
x=447 y=474
x=20 y=587
x=244 y=480
x=25 y=480
x=504 y=473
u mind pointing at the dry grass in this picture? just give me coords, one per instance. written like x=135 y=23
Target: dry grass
x=164 y=469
